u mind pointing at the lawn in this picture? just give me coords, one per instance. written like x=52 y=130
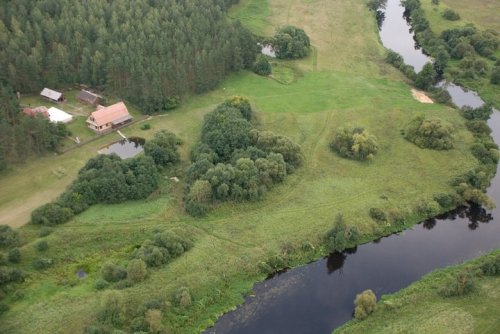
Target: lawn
x=344 y=82
x=420 y=309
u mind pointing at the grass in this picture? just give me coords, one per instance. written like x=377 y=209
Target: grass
x=420 y=309
x=484 y=15
x=345 y=82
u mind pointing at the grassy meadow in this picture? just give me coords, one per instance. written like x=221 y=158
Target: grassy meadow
x=420 y=308
x=343 y=82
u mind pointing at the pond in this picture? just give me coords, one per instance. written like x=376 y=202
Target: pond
x=125 y=148
x=318 y=297
x=268 y=50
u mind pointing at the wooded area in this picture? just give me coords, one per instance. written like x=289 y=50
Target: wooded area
x=147 y=51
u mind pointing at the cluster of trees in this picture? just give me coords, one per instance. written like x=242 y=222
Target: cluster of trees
x=291 y=42
x=22 y=135
x=340 y=236
x=354 y=143
x=104 y=179
x=163 y=248
x=163 y=148
x=150 y=52
x=9 y=240
x=234 y=161
x=467 y=44
x=431 y=133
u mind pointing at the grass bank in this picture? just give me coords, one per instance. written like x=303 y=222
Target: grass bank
x=420 y=308
x=345 y=83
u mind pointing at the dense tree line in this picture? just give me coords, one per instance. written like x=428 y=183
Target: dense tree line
x=150 y=52
x=234 y=161
x=22 y=135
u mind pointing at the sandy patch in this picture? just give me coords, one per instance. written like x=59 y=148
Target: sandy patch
x=420 y=96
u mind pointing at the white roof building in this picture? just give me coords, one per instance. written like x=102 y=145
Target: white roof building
x=57 y=115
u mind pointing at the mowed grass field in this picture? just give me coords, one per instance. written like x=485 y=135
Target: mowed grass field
x=420 y=309
x=343 y=82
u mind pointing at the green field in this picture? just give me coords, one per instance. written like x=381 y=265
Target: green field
x=420 y=308
x=345 y=82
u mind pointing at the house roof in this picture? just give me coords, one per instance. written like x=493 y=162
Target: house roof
x=35 y=111
x=57 y=115
x=115 y=113
x=87 y=96
x=51 y=94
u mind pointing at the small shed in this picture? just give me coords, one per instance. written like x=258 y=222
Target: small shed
x=59 y=116
x=52 y=95
x=88 y=97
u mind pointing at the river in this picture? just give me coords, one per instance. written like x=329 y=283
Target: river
x=318 y=297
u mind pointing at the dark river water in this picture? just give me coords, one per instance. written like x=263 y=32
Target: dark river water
x=318 y=297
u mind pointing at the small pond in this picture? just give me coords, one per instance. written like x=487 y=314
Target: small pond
x=125 y=148
x=268 y=50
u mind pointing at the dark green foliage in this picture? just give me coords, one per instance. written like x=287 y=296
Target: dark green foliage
x=479 y=128
x=152 y=53
x=355 y=143
x=441 y=95
x=163 y=148
x=112 y=272
x=42 y=263
x=450 y=15
x=242 y=104
x=10 y=275
x=432 y=133
x=272 y=143
x=480 y=113
x=341 y=235
x=20 y=135
x=426 y=209
x=51 y=214
x=146 y=126
x=291 y=43
x=446 y=201
x=365 y=303
x=183 y=297
x=14 y=255
x=461 y=284
x=165 y=247
x=491 y=267
x=136 y=270
x=101 y=284
x=3 y=308
x=376 y=4
x=495 y=75
x=485 y=154
x=8 y=236
x=397 y=216
x=397 y=61
x=378 y=214
x=45 y=231
x=262 y=66
x=112 y=310
x=426 y=77
x=42 y=246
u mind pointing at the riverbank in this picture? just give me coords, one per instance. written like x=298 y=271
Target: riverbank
x=422 y=308
x=348 y=83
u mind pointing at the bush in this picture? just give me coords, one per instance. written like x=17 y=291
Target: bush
x=14 y=255
x=492 y=266
x=163 y=148
x=137 y=270
x=42 y=263
x=112 y=310
x=3 y=308
x=41 y=246
x=426 y=78
x=145 y=126
x=427 y=208
x=153 y=319
x=8 y=236
x=462 y=284
x=242 y=104
x=446 y=201
x=262 y=66
x=291 y=43
x=481 y=113
x=495 y=76
x=164 y=247
x=450 y=15
x=113 y=273
x=365 y=304
x=430 y=133
x=355 y=143
x=397 y=216
x=378 y=215
x=183 y=297
x=51 y=214
x=101 y=284
x=45 y=231
x=340 y=236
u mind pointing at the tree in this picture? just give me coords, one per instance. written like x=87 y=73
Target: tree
x=163 y=148
x=365 y=304
x=261 y=66
x=8 y=236
x=426 y=77
x=112 y=308
x=354 y=143
x=112 y=272
x=495 y=76
x=51 y=214
x=432 y=133
x=291 y=43
x=137 y=270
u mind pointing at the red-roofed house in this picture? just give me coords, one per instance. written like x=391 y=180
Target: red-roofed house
x=32 y=112
x=106 y=119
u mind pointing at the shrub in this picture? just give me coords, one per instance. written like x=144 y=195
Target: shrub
x=262 y=66
x=461 y=284
x=491 y=267
x=153 y=318
x=426 y=78
x=42 y=263
x=495 y=75
x=14 y=255
x=41 y=246
x=163 y=148
x=446 y=201
x=291 y=43
x=480 y=113
x=164 y=247
x=8 y=236
x=355 y=143
x=430 y=133
x=51 y=214
x=397 y=216
x=3 y=308
x=450 y=15
x=484 y=154
x=378 y=214
x=241 y=103
x=137 y=270
x=183 y=297
x=145 y=126
x=427 y=208
x=45 y=231
x=112 y=308
x=101 y=284
x=365 y=304
x=113 y=273
x=341 y=235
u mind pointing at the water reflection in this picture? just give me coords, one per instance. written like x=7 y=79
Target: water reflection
x=125 y=148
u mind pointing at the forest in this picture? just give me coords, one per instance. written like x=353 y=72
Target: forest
x=149 y=52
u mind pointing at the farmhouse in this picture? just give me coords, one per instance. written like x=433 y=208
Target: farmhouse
x=88 y=97
x=106 y=119
x=52 y=95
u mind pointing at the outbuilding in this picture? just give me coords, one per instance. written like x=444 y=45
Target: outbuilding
x=59 y=116
x=52 y=95
x=88 y=97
